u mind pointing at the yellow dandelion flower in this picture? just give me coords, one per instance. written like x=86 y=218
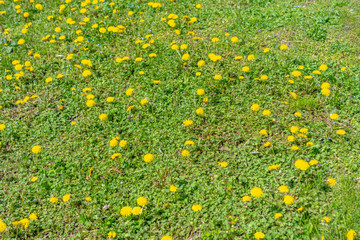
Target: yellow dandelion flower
x=66 y=197
x=142 y=201
x=126 y=211
x=331 y=182
x=196 y=207
x=173 y=188
x=36 y=149
x=256 y=192
x=302 y=165
x=255 y=107
x=149 y=157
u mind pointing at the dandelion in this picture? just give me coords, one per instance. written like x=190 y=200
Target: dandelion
x=129 y=91
x=289 y=200
x=278 y=215
x=111 y=235
x=115 y=155
x=273 y=167
x=334 y=116
x=266 y=112
x=291 y=138
x=185 y=57
x=201 y=63
x=246 y=198
x=304 y=130
x=259 y=235
x=294 y=129
x=256 y=192
x=263 y=132
x=25 y=222
x=36 y=149
x=136 y=211
x=54 y=200
x=173 y=188
x=33 y=216
x=113 y=142
x=88 y=199
x=325 y=85
x=21 y=41
x=313 y=162
x=326 y=219
x=234 y=39
x=148 y=158
x=200 y=92
x=340 y=132
x=66 y=197
x=188 y=122
x=283 y=47
x=3 y=226
x=217 y=77
x=123 y=143
x=223 y=164
x=331 y=182
x=34 y=179
x=296 y=73
x=302 y=165
x=294 y=147
x=86 y=73
x=245 y=69
x=326 y=92
x=185 y=153
x=126 y=211
x=350 y=234
x=196 y=207
x=189 y=142
x=283 y=189
x=199 y=111
x=294 y=95
x=264 y=77
x=103 y=117
x=166 y=237
x=110 y=99
x=251 y=57
x=255 y=107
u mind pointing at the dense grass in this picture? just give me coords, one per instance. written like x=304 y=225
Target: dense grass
x=77 y=158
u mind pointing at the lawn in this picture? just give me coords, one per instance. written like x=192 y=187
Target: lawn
x=223 y=119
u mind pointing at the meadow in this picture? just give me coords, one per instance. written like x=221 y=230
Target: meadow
x=222 y=119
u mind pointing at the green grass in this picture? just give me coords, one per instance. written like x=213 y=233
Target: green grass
x=76 y=159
